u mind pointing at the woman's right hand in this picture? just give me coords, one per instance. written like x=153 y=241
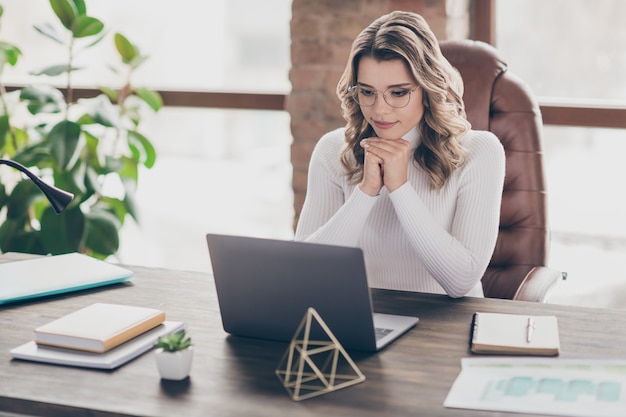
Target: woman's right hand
x=372 y=173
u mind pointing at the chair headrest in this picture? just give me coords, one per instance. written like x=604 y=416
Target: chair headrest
x=480 y=66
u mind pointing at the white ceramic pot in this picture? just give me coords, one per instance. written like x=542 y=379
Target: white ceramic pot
x=174 y=365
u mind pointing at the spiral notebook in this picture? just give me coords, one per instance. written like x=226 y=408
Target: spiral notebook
x=514 y=334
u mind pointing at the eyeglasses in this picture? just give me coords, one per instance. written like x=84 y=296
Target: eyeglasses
x=394 y=96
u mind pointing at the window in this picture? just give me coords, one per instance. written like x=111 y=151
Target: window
x=192 y=44
x=217 y=170
x=565 y=48
x=573 y=50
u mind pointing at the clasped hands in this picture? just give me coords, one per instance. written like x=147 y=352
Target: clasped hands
x=386 y=164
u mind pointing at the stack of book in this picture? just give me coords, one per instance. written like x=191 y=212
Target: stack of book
x=100 y=335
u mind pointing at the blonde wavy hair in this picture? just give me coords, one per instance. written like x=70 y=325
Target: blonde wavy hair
x=407 y=37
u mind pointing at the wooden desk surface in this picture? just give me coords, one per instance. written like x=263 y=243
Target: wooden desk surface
x=235 y=376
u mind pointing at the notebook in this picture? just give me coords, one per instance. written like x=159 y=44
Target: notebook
x=264 y=287
x=49 y=275
x=514 y=334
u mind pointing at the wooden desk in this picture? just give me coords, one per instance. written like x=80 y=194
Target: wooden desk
x=235 y=376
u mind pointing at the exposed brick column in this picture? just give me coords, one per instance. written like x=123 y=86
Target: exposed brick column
x=321 y=35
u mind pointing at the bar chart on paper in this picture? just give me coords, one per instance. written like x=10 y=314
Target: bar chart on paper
x=558 y=387
x=553 y=389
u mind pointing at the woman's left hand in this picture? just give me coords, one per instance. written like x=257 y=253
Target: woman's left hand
x=395 y=154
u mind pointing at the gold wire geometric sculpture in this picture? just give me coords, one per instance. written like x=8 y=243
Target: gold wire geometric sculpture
x=314 y=367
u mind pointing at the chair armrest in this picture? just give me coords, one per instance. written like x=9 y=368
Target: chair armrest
x=539 y=284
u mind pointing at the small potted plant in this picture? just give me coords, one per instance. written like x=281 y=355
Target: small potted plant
x=174 y=353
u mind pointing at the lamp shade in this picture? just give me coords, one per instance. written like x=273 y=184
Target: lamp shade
x=59 y=199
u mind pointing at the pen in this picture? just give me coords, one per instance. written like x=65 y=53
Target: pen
x=530 y=328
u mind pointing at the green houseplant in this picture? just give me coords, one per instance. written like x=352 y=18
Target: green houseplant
x=79 y=145
x=174 y=342
x=174 y=353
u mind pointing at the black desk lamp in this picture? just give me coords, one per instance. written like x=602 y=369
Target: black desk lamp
x=59 y=199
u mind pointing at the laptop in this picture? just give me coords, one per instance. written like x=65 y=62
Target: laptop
x=265 y=286
x=49 y=275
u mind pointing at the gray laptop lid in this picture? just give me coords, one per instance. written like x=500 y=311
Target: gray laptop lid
x=264 y=287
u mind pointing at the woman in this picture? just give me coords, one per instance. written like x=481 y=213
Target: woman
x=407 y=180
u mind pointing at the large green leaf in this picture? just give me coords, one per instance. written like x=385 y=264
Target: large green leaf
x=22 y=196
x=127 y=50
x=92 y=180
x=4 y=130
x=128 y=169
x=34 y=155
x=19 y=138
x=62 y=233
x=40 y=93
x=38 y=207
x=102 y=232
x=54 y=70
x=131 y=206
x=142 y=148
x=73 y=180
x=13 y=238
x=85 y=26
x=43 y=99
x=111 y=93
x=100 y=110
x=63 y=139
x=90 y=151
x=96 y=41
x=8 y=228
x=152 y=98
x=81 y=7
x=50 y=32
x=115 y=206
x=9 y=54
x=112 y=164
x=3 y=196
x=65 y=11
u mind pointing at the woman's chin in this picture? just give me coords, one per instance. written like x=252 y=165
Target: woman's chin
x=384 y=134
x=389 y=134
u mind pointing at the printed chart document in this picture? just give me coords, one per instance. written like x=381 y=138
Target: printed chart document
x=547 y=386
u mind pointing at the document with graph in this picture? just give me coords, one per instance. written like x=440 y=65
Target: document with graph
x=548 y=386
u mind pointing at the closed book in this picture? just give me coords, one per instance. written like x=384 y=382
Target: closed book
x=514 y=334
x=98 y=327
x=111 y=359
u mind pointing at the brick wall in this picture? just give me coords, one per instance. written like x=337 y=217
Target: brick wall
x=321 y=35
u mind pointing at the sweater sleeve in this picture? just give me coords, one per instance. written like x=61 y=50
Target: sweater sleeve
x=458 y=259
x=328 y=216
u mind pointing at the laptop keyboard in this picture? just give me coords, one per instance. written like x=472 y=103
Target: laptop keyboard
x=381 y=332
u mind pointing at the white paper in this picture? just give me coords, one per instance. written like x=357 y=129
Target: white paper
x=553 y=386
x=107 y=360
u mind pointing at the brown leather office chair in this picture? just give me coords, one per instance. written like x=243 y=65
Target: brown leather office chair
x=498 y=101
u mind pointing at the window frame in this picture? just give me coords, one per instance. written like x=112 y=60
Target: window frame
x=560 y=112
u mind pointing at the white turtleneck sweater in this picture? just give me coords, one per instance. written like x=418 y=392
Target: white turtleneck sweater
x=415 y=238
